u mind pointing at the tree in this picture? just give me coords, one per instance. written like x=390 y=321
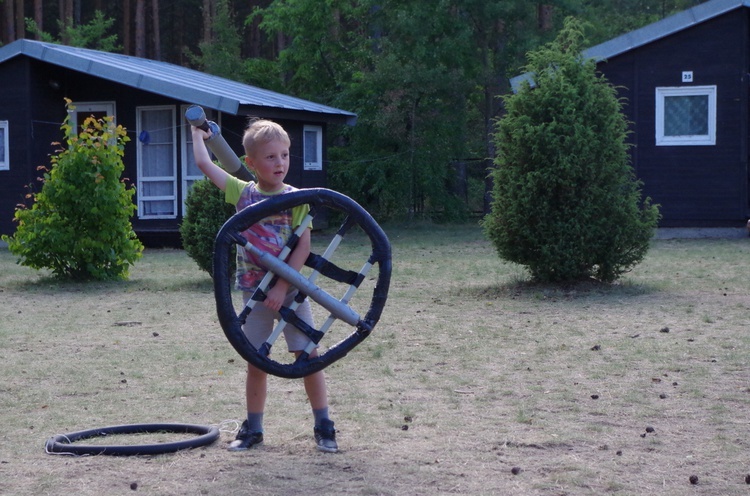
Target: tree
x=156 y=29
x=140 y=28
x=127 y=33
x=65 y=18
x=206 y=211
x=19 y=15
x=565 y=202
x=79 y=224
x=423 y=77
x=606 y=19
x=90 y=35
x=220 y=53
x=39 y=16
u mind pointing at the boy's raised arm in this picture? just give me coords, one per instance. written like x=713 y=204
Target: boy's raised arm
x=216 y=174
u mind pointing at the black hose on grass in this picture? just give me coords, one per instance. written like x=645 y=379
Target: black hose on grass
x=63 y=444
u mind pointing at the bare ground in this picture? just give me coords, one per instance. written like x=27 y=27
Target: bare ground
x=473 y=383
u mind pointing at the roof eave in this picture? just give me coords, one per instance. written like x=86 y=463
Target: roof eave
x=346 y=118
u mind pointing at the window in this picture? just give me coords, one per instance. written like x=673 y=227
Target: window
x=4 y=152
x=686 y=115
x=190 y=171
x=157 y=163
x=86 y=109
x=313 y=148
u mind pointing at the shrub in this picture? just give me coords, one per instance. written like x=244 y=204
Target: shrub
x=566 y=203
x=79 y=223
x=206 y=212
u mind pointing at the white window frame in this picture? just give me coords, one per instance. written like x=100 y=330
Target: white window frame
x=687 y=140
x=88 y=108
x=186 y=153
x=5 y=156
x=141 y=179
x=313 y=165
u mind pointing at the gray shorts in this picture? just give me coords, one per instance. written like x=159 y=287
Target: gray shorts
x=261 y=322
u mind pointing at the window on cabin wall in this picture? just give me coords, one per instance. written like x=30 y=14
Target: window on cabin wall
x=4 y=149
x=686 y=116
x=190 y=171
x=313 y=148
x=157 y=162
x=83 y=110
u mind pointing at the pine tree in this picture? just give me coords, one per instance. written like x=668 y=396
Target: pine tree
x=566 y=203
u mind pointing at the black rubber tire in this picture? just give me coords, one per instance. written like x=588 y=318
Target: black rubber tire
x=228 y=318
x=64 y=443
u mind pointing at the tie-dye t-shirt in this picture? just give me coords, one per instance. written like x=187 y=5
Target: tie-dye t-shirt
x=270 y=234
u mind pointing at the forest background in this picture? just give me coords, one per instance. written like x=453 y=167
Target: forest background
x=424 y=76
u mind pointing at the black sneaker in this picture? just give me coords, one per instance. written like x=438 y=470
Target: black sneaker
x=245 y=439
x=325 y=436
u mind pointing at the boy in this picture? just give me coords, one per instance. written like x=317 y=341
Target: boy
x=267 y=155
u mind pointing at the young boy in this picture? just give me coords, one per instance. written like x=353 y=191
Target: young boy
x=267 y=155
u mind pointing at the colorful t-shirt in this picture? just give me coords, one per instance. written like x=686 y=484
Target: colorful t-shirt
x=269 y=234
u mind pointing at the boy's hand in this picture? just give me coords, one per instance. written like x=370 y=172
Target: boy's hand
x=200 y=133
x=276 y=296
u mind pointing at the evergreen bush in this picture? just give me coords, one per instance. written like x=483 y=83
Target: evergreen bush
x=79 y=223
x=206 y=211
x=566 y=203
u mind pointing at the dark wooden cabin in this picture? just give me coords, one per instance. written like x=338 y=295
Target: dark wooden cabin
x=149 y=99
x=685 y=81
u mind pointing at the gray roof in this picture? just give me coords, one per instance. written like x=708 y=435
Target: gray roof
x=652 y=32
x=171 y=80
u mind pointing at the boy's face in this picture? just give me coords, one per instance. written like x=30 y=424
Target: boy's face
x=270 y=163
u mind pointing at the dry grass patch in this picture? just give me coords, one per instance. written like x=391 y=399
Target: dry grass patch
x=470 y=373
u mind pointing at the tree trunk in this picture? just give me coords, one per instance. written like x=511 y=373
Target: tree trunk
x=178 y=23
x=255 y=37
x=157 y=37
x=76 y=14
x=9 y=27
x=127 y=42
x=66 y=17
x=207 y=21
x=544 y=16
x=140 y=28
x=69 y=12
x=39 y=17
x=20 y=20
x=61 y=17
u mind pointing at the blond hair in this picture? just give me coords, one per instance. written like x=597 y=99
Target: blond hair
x=262 y=131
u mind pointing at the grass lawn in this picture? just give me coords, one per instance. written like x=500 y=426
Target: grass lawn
x=473 y=382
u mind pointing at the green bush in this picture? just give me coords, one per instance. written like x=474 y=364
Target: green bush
x=566 y=203
x=206 y=212
x=79 y=223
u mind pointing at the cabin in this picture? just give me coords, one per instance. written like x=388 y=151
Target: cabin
x=685 y=83
x=149 y=98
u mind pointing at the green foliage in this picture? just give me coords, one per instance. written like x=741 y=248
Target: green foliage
x=607 y=19
x=79 y=224
x=423 y=77
x=90 y=35
x=566 y=203
x=397 y=160
x=206 y=212
x=221 y=55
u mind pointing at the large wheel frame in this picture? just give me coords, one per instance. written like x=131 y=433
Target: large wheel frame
x=229 y=236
